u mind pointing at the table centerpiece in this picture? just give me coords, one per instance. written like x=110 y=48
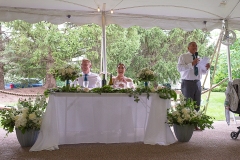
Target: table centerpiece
x=66 y=73
x=146 y=75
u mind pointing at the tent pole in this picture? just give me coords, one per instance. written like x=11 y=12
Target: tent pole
x=216 y=51
x=104 y=56
x=225 y=22
x=229 y=64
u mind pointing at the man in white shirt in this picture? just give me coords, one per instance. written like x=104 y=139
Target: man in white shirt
x=191 y=74
x=93 y=78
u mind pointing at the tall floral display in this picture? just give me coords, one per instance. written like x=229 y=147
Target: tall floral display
x=184 y=116
x=66 y=73
x=27 y=115
x=26 y=118
x=146 y=75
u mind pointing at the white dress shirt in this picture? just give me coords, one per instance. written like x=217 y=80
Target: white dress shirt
x=93 y=78
x=186 y=68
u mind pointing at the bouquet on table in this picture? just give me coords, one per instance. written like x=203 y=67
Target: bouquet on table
x=67 y=72
x=27 y=115
x=146 y=75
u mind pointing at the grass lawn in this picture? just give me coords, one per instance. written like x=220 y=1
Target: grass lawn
x=215 y=106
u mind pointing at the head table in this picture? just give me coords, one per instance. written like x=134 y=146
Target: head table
x=73 y=118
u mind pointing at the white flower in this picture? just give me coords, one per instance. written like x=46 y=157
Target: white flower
x=20 y=121
x=32 y=116
x=79 y=89
x=24 y=110
x=175 y=113
x=185 y=110
x=179 y=120
x=86 y=90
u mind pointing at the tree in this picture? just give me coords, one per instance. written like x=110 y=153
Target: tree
x=3 y=41
x=160 y=50
x=122 y=46
x=38 y=47
x=35 y=48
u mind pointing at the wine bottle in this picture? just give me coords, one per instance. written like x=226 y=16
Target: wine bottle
x=110 y=81
x=104 y=82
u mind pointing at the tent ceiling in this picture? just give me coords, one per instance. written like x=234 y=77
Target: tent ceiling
x=167 y=14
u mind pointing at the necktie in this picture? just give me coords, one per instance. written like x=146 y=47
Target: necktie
x=85 y=77
x=195 y=67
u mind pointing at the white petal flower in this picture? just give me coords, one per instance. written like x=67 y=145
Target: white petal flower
x=174 y=113
x=86 y=90
x=32 y=116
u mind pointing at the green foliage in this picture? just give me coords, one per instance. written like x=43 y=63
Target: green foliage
x=160 y=50
x=163 y=92
x=219 y=89
x=35 y=48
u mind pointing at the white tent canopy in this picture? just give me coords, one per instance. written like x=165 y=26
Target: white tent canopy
x=167 y=14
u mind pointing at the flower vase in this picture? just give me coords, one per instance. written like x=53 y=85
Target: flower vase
x=183 y=132
x=28 y=138
x=67 y=84
x=146 y=84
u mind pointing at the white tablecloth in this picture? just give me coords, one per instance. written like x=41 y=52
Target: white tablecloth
x=73 y=118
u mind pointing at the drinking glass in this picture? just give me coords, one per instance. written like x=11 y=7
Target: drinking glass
x=116 y=83
x=85 y=84
x=121 y=85
x=128 y=84
x=98 y=85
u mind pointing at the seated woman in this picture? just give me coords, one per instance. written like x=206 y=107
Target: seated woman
x=120 y=81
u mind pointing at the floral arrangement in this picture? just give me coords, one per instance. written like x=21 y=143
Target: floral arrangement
x=145 y=75
x=68 y=72
x=27 y=115
x=185 y=114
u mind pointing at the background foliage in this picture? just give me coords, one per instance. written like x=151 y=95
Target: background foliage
x=33 y=49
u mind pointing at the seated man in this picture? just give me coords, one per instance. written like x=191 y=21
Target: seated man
x=93 y=78
x=120 y=81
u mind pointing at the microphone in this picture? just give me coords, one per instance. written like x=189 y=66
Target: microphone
x=196 y=54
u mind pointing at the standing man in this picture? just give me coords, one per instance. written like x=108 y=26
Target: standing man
x=93 y=78
x=190 y=74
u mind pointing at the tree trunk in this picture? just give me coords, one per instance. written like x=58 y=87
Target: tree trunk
x=50 y=80
x=2 y=85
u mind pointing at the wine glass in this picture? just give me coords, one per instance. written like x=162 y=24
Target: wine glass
x=116 y=83
x=85 y=84
x=122 y=85
x=128 y=84
x=98 y=85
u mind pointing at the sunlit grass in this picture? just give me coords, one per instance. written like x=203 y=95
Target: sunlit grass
x=215 y=107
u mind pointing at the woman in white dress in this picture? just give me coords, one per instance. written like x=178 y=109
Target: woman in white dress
x=120 y=81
